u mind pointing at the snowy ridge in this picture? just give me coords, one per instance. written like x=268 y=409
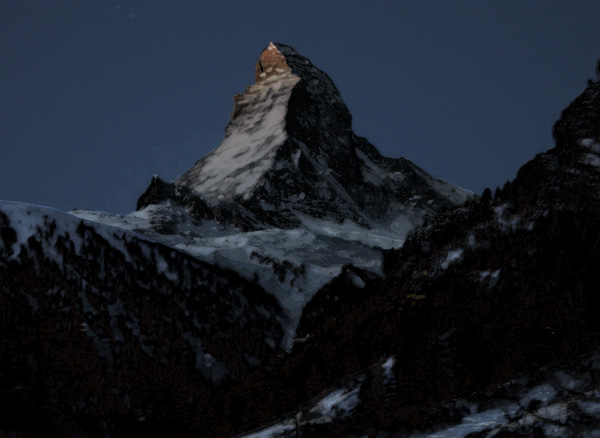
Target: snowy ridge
x=30 y=222
x=92 y=255
x=290 y=264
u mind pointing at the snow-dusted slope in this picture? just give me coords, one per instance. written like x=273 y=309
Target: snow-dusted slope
x=248 y=151
x=107 y=332
x=291 y=264
x=106 y=271
x=551 y=402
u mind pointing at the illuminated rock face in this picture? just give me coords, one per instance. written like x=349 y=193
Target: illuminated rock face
x=271 y=62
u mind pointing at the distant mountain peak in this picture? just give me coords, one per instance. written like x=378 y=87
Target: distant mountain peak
x=289 y=152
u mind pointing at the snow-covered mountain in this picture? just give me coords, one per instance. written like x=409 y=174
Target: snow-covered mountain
x=291 y=195
x=289 y=151
x=294 y=282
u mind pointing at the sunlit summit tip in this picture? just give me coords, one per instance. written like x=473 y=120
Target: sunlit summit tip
x=270 y=62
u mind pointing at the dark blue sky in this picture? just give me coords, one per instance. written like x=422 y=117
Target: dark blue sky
x=97 y=96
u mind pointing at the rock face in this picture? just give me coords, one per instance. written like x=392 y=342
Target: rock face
x=276 y=284
x=289 y=151
x=271 y=62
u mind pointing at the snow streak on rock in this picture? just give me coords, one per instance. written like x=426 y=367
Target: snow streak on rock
x=253 y=137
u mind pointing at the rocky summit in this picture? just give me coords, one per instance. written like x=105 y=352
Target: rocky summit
x=296 y=283
x=290 y=152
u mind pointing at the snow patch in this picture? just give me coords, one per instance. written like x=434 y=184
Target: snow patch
x=507 y=221
x=589 y=143
x=356 y=280
x=370 y=171
x=453 y=255
x=474 y=423
x=296 y=157
x=592 y=160
x=567 y=381
x=556 y=412
x=338 y=403
x=543 y=393
x=389 y=364
x=28 y=220
x=388 y=367
x=491 y=274
x=212 y=369
x=274 y=431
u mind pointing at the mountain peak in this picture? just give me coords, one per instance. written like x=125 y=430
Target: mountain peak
x=289 y=152
x=291 y=102
x=271 y=62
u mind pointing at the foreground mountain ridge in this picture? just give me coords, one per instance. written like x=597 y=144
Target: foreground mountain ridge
x=175 y=320
x=490 y=290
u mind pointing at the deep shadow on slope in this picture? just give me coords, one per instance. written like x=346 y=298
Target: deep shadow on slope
x=499 y=286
